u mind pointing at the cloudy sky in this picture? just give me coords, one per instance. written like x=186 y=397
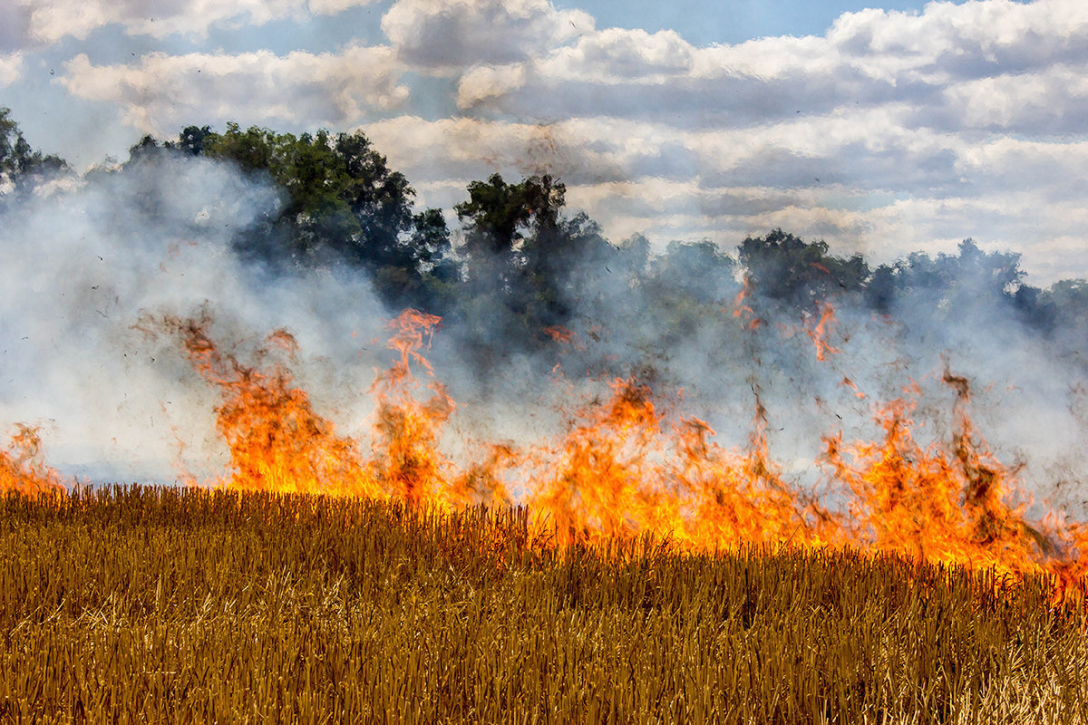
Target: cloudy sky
x=909 y=126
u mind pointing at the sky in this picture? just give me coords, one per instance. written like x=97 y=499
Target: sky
x=882 y=130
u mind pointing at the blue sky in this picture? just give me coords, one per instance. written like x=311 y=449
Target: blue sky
x=885 y=130
x=703 y=22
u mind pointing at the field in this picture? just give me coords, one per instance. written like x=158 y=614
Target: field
x=139 y=604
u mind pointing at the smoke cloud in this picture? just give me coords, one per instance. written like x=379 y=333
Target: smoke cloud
x=80 y=267
x=84 y=261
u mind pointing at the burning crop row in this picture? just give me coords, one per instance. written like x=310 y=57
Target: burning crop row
x=627 y=466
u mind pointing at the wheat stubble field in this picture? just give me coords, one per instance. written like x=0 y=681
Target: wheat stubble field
x=140 y=604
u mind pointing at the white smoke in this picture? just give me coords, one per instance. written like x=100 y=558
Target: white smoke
x=80 y=267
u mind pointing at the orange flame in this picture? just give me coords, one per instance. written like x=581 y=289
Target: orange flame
x=21 y=470
x=627 y=466
x=559 y=334
x=276 y=440
x=821 y=330
x=848 y=383
x=406 y=457
x=741 y=308
x=619 y=472
x=952 y=503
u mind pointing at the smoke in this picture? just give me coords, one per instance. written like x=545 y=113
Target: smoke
x=82 y=266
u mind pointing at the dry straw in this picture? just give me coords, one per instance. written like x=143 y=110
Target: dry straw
x=177 y=605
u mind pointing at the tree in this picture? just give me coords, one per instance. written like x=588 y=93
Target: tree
x=21 y=166
x=344 y=203
x=700 y=269
x=782 y=267
x=147 y=149
x=971 y=280
x=380 y=200
x=191 y=140
x=1068 y=299
x=492 y=216
x=431 y=246
x=511 y=226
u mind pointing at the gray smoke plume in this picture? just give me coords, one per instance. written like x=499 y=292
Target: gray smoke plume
x=83 y=261
x=80 y=267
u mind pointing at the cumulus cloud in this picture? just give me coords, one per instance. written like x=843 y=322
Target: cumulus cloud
x=963 y=112
x=863 y=182
x=633 y=74
x=162 y=91
x=55 y=19
x=970 y=113
x=990 y=64
x=444 y=35
x=796 y=154
x=968 y=40
x=11 y=68
x=1052 y=100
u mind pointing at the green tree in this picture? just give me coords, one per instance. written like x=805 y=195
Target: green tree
x=784 y=268
x=494 y=216
x=21 y=166
x=343 y=204
x=191 y=140
x=951 y=284
x=698 y=270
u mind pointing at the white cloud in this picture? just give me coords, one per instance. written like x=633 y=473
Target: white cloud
x=486 y=82
x=11 y=68
x=1052 y=100
x=862 y=181
x=163 y=92
x=630 y=73
x=890 y=131
x=979 y=64
x=615 y=55
x=970 y=39
x=445 y=35
x=50 y=21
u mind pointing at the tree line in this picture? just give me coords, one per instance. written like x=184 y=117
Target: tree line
x=524 y=265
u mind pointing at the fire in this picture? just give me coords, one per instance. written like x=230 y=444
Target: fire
x=628 y=465
x=21 y=471
x=742 y=310
x=848 y=383
x=740 y=496
x=406 y=459
x=559 y=334
x=821 y=330
x=276 y=440
x=952 y=502
x=622 y=472
x=602 y=480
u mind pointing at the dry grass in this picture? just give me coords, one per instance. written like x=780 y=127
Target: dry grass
x=178 y=605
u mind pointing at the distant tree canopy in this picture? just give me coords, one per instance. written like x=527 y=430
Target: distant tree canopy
x=786 y=269
x=21 y=165
x=497 y=213
x=521 y=255
x=523 y=265
x=521 y=250
x=343 y=205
